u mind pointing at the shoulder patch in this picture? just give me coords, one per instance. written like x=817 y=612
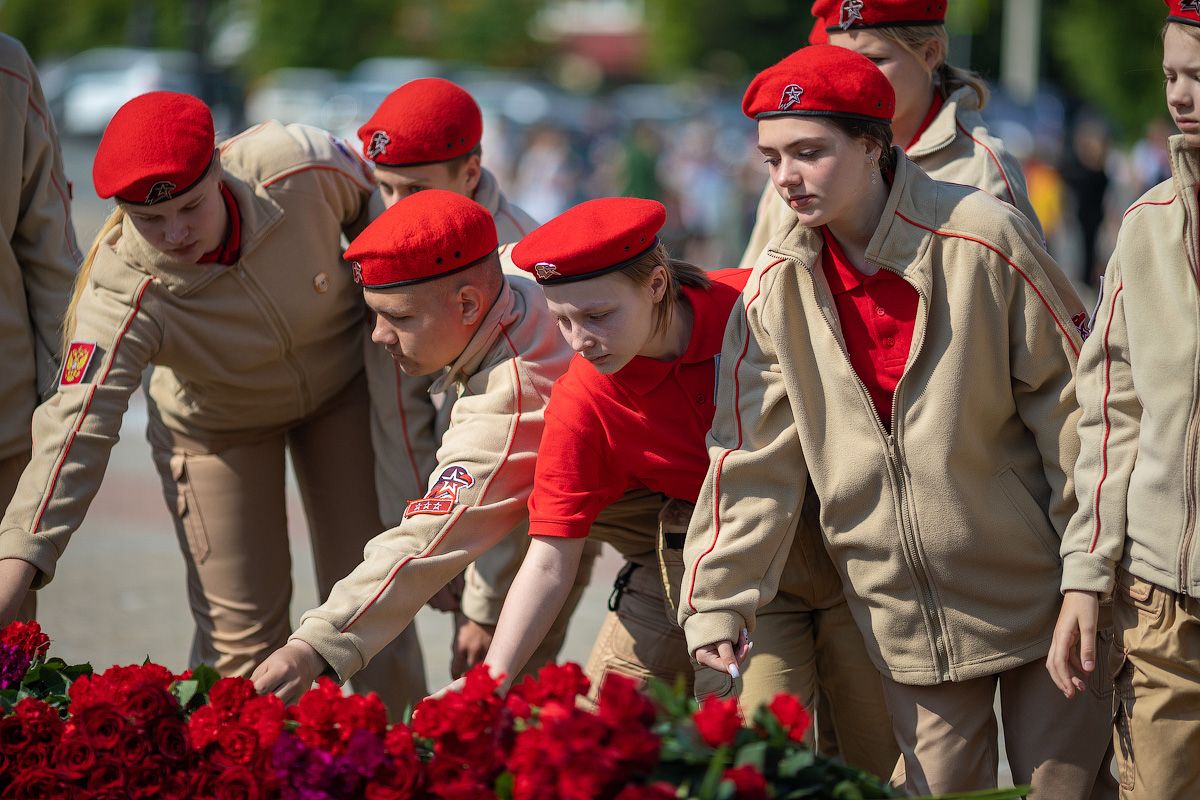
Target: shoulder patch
x=76 y=362
x=443 y=495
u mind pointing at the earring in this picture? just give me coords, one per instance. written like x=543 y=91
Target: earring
x=874 y=172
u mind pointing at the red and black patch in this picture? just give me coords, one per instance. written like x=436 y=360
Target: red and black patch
x=443 y=495
x=76 y=362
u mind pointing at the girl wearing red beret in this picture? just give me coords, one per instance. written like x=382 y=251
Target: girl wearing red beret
x=219 y=269
x=937 y=120
x=902 y=345
x=1133 y=536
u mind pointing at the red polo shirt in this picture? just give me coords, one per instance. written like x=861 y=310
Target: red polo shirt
x=934 y=108
x=877 y=314
x=230 y=249
x=644 y=426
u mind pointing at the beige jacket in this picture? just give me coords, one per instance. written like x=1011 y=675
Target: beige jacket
x=478 y=491
x=946 y=530
x=956 y=148
x=406 y=426
x=254 y=346
x=1139 y=391
x=38 y=256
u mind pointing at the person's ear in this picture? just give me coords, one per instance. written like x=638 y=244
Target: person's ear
x=932 y=55
x=658 y=283
x=472 y=172
x=470 y=305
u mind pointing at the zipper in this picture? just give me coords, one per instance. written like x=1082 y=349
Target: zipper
x=1189 y=469
x=273 y=318
x=928 y=603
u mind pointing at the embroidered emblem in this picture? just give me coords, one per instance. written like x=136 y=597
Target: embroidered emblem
x=75 y=364
x=443 y=495
x=356 y=271
x=160 y=192
x=852 y=13
x=379 y=143
x=545 y=271
x=791 y=96
x=1081 y=319
x=1190 y=5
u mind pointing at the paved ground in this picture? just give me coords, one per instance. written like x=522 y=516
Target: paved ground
x=119 y=596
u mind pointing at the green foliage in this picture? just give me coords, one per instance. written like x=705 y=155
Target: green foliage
x=93 y=23
x=1111 y=57
x=48 y=680
x=193 y=692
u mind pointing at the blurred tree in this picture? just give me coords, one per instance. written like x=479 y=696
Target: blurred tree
x=92 y=23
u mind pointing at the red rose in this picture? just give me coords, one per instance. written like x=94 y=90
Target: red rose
x=265 y=715
x=792 y=715
x=230 y=694
x=718 y=721
x=107 y=772
x=146 y=779
x=147 y=703
x=41 y=722
x=237 y=783
x=103 y=726
x=237 y=746
x=204 y=727
x=554 y=683
x=13 y=736
x=748 y=783
x=41 y=784
x=621 y=704
x=170 y=739
x=654 y=791
x=74 y=756
x=26 y=637
x=32 y=757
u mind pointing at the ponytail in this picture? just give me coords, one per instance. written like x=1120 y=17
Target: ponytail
x=81 y=278
x=680 y=274
x=946 y=78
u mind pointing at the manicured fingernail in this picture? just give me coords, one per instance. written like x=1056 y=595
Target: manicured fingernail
x=1089 y=665
x=734 y=671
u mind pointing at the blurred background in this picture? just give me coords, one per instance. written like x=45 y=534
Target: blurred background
x=584 y=98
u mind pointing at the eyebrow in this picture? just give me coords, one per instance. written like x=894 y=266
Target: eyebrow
x=802 y=142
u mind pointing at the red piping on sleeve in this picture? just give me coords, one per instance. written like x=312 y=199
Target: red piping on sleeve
x=408 y=448
x=721 y=461
x=512 y=438
x=62 y=458
x=1107 y=422
x=999 y=166
x=1129 y=210
x=1011 y=263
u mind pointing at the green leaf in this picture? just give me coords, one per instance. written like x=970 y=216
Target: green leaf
x=504 y=786
x=753 y=754
x=712 y=776
x=791 y=764
x=1013 y=793
x=185 y=691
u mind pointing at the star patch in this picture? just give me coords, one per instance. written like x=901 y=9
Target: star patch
x=851 y=13
x=791 y=96
x=545 y=271
x=443 y=495
x=160 y=192
x=356 y=271
x=1190 y=5
x=379 y=144
x=75 y=363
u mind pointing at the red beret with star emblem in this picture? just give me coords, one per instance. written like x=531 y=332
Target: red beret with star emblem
x=821 y=81
x=1185 y=11
x=423 y=122
x=156 y=147
x=591 y=239
x=427 y=235
x=842 y=15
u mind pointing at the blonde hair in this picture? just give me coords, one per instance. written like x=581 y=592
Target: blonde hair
x=950 y=78
x=679 y=274
x=1190 y=30
x=81 y=278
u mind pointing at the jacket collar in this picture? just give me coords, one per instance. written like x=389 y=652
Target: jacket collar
x=506 y=311
x=259 y=215
x=1185 y=165
x=487 y=193
x=944 y=128
x=893 y=245
x=643 y=375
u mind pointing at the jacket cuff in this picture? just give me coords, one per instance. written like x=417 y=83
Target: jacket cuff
x=37 y=550
x=338 y=649
x=1088 y=572
x=710 y=627
x=481 y=605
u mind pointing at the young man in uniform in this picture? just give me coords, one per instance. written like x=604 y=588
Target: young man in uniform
x=430 y=268
x=38 y=258
x=426 y=135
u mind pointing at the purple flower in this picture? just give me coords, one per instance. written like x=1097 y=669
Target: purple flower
x=14 y=663
x=364 y=753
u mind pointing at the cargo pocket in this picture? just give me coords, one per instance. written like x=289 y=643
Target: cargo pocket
x=673 y=522
x=1122 y=704
x=1034 y=515
x=188 y=510
x=1140 y=595
x=1101 y=682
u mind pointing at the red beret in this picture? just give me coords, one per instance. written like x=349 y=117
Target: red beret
x=424 y=236
x=821 y=81
x=840 y=15
x=593 y=238
x=423 y=122
x=156 y=147
x=818 y=35
x=1185 y=11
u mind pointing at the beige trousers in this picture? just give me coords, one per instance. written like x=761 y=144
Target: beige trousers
x=1157 y=714
x=10 y=473
x=948 y=735
x=227 y=500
